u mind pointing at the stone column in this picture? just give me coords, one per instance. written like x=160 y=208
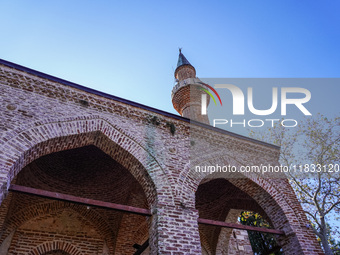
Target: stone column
x=175 y=229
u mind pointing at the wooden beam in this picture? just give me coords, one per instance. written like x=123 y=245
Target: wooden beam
x=239 y=226
x=79 y=200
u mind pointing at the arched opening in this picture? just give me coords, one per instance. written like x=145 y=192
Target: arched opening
x=95 y=168
x=223 y=200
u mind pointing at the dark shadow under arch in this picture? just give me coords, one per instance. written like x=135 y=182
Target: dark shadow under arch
x=215 y=197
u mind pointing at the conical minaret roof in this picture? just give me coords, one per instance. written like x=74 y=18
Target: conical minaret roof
x=182 y=60
x=183 y=63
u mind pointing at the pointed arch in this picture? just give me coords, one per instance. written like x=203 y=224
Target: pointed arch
x=274 y=196
x=47 y=137
x=53 y=246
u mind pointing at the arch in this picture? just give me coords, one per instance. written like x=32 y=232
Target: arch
x=274 y=196
x=41 y=138
x=38 y=210
x=249 y=182
x=53 y=246
x=126 y=146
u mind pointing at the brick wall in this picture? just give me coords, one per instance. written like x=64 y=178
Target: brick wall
x=40 y=116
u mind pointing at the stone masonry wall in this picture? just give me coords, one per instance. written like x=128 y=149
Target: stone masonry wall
x=40 y=115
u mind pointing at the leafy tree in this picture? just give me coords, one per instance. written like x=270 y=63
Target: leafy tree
x=311 y=150
x=335 y=245
x=261 y=243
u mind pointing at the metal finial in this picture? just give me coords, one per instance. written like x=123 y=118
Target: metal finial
x=180 y=50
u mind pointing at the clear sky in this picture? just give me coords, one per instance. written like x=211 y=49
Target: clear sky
x=130 y=48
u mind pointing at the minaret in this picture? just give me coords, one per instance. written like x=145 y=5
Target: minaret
x=186 y=94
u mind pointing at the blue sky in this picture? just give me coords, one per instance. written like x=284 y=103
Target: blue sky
x=130 y=48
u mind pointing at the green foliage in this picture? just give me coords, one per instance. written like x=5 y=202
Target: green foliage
x=172 y=127
x=261 y=243
x=154 y=120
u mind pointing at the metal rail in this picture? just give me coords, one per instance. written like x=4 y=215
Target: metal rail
x=129 y=209
x=79 y=200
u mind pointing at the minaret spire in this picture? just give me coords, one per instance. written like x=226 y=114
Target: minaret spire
x=184 y=69
x=187 y=93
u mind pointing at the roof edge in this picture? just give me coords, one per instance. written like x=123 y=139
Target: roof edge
x=86 y=89
x=125 y=101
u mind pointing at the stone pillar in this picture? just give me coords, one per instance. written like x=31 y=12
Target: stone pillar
x=232 y=241
x=239 y=243
x=175 y=231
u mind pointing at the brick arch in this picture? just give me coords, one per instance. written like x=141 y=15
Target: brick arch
x=55 y=245
x=190 y=179
x=275 y=196
x=270 y=187
x=41 y=209
x=47 y=137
